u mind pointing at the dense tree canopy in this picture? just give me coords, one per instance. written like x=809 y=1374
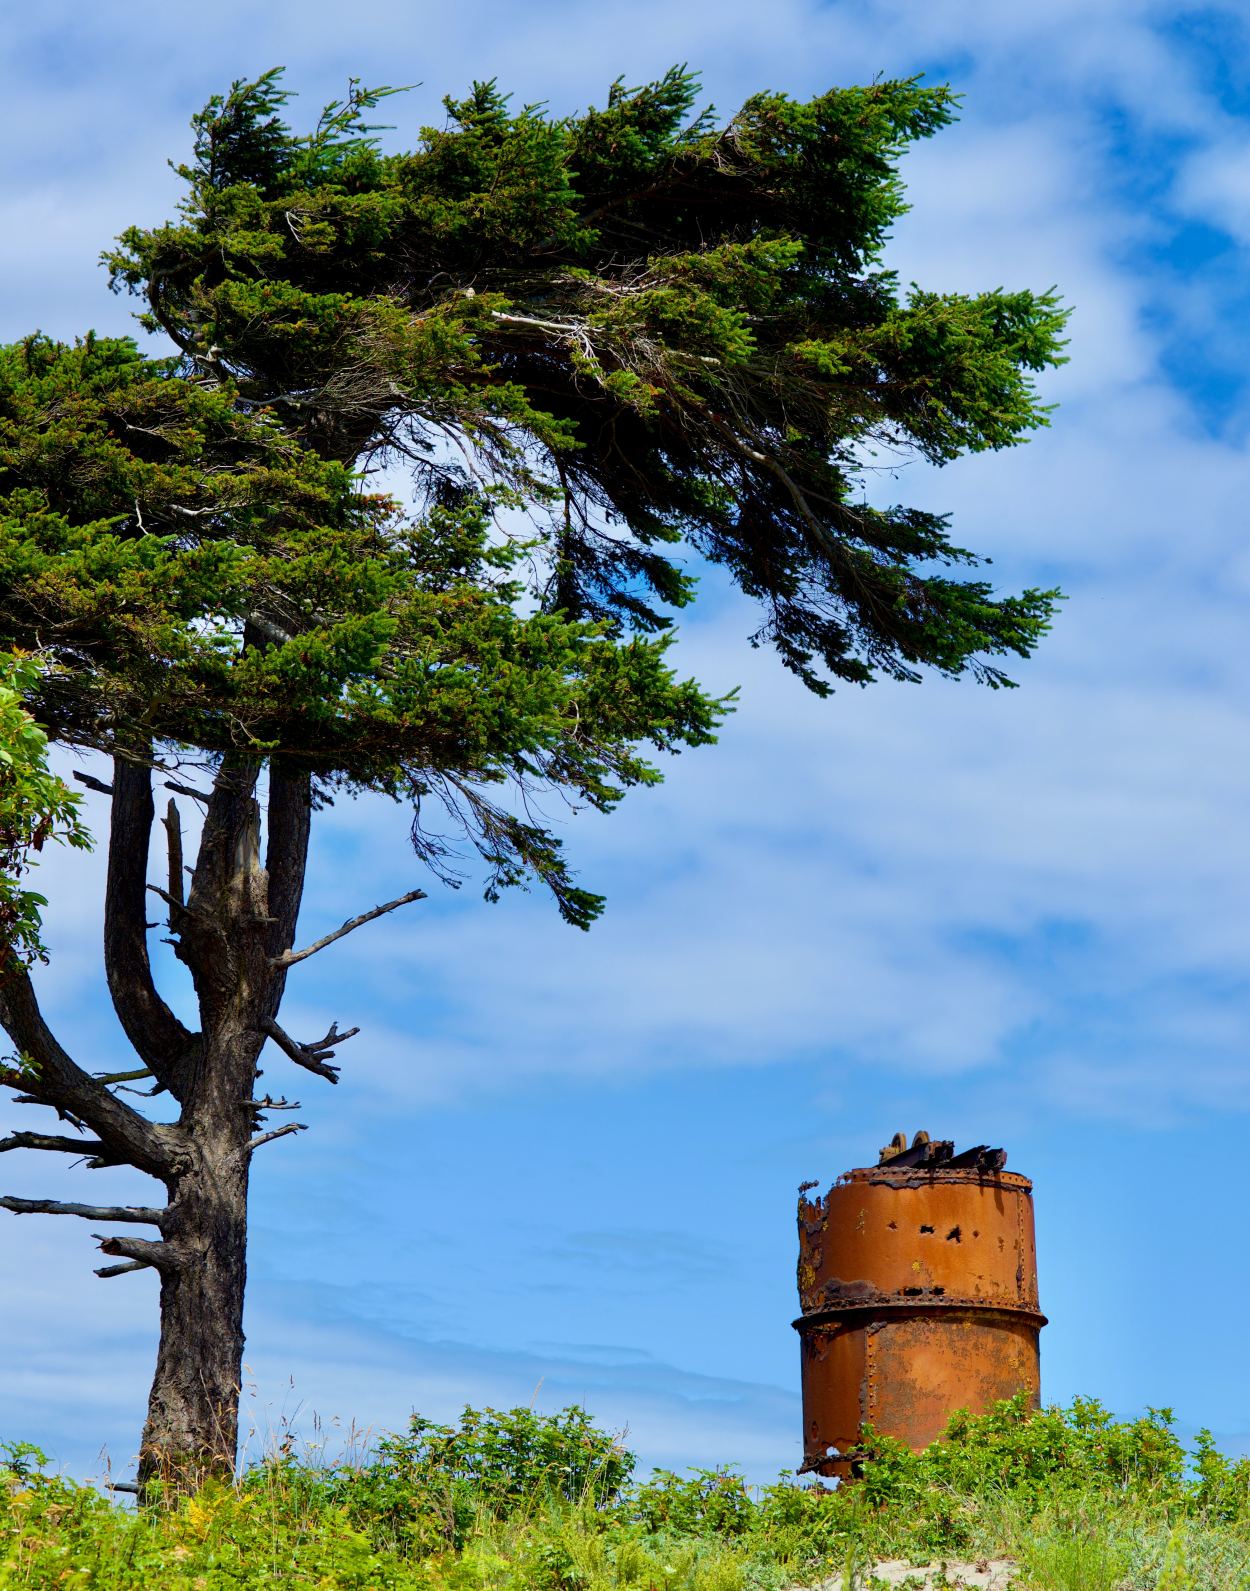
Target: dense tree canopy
x=605 y=348
x=667 y=329
x=652 y=334
x=249 y=595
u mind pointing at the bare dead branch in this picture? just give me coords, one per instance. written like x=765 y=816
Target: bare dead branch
x=278 y=1132
x=315 y=1056
x=173 y=837
x=172 y=902
x=186 y=790
x=15 y=1080
x=142 y=1093
x=271 y=1104
x=120 y=1270
x=290 y=957
x=92 y=783
x=572 y=329
x=41 y=1140
x=162 y=1256
x=92 y=1212
x=332 y=1037
x=268 y=630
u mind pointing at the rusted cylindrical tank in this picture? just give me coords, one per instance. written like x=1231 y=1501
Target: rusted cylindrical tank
x=918 y=1290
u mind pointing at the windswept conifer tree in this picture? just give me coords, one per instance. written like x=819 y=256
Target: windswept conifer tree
x=647 y=336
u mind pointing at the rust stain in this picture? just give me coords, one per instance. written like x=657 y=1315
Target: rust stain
x=903 y=1318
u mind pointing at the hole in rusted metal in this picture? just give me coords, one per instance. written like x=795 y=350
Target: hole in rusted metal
x=954 y=1235
x=924 y=1228
x=893 y=1225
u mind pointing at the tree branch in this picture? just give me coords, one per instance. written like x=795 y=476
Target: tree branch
x=158 y=1036
x=186 y=790
x=229 y=838
x=314 y=1056
x=162 y=1256
x=278 y=1132
x=52 y=1078
x=290 y=957
x=40 y=1140
x=126 y=1265
x=173 y=841
x=225 y=924
x=269 y=1103
x=286 y=860
x=173 y=903
x=92 y=783
x=92 y=1212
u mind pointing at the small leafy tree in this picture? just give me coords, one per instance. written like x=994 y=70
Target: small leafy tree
x=604 y=346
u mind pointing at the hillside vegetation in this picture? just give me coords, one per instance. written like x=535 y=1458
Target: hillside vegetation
x=531 y=1502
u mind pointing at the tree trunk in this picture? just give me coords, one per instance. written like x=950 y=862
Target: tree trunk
x=226 y=938
x=192 y=1425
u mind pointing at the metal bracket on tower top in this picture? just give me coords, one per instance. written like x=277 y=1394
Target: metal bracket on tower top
x=939 y=1153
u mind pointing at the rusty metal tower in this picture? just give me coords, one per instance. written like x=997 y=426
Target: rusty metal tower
x=918 y=1291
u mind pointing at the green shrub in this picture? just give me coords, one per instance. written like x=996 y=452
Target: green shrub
x=426 y=1491
x=709 y=1503
x=502 y=1459
x=519 y=1501
x=1026 y=1459
x=1221 y=1488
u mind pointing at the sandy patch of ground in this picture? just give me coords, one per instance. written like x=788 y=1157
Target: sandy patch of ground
x=986 y=1574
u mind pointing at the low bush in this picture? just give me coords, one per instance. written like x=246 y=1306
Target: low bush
x=521 y=1501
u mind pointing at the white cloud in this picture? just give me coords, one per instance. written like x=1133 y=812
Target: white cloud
x=1214 y=185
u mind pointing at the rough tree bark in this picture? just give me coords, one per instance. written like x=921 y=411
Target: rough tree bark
x=223 y=934
x=231 y=931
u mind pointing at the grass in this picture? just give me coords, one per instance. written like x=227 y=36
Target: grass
x=527 y=1502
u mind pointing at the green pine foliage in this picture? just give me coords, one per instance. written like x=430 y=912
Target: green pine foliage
x=605 y=347
x=672 y=331
x=193 y=577
x=35 y=807
x=522 y=1501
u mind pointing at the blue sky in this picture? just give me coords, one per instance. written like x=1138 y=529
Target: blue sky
x=563 y=1166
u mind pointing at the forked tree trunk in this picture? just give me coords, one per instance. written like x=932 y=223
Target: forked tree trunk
x=236 y=921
